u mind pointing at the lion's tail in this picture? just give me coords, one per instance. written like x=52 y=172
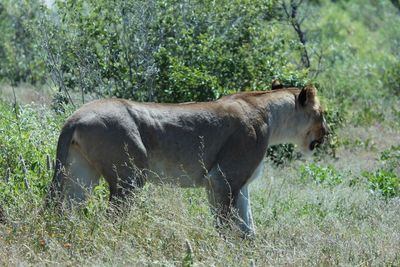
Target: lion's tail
x=64 y=142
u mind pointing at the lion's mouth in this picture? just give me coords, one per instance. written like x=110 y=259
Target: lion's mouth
x=315 y=143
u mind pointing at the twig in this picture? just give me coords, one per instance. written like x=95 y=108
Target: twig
x=15 y=106
x=292 y=16
x=49 y=164
x=319 y=68
x=7 y=175
x=52 y=63
x=25 y=172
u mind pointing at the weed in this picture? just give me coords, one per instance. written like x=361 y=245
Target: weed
x=369 y=115
x=320 y=175
x=390 y=158
x=384 y=182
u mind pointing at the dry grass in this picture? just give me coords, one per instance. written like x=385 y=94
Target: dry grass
x=25 y=94
x=362 y=146
x=299 y=223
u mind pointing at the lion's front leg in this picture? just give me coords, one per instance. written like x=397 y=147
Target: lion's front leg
x=245 y=216
x=228 y=201
x=220 y=196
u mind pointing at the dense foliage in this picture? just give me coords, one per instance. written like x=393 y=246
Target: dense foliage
x=168 y=51
x=176 y=51
x=27 y=138
x=20 y=59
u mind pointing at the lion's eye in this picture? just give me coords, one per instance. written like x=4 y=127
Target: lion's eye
x=321 y=115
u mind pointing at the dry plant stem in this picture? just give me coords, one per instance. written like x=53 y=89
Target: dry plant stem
x=53 y=63
x=295 y=21
x=2 y=216
x=15 y=108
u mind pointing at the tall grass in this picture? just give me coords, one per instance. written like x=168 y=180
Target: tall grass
x=299 y=222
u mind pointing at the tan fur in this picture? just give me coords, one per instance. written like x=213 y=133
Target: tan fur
x=218 y=145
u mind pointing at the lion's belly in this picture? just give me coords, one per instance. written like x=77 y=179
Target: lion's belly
x=164 y=171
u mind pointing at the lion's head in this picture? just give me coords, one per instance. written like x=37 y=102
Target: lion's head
x=315 y=128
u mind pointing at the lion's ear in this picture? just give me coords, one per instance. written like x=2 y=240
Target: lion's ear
x=276 y=84
x=308 y=95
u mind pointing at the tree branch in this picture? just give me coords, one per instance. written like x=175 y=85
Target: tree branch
x=295 y=21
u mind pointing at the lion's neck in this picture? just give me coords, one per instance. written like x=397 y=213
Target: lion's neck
x=283 y=120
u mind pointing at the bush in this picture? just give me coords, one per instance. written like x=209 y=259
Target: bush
x=282 y=154
x=167 y=50
x=27 y=144
x=386 y=179
x=384 y=182
x=335 y=119
x=20 y=59
x=390 y=159
x=320 y=175
x=179 y=83
x=391 y=78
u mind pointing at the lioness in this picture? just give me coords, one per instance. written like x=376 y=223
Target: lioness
x=218 y=145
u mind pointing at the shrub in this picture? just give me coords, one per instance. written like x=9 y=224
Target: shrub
x=390 y=158
x=282 y=154
x=386 y=179
x=179 y=83
x=369 y=115
x=391 y=78
x=384 y=182
x=323 y=175
x=20 y=59
x=27 y=144
x=335 y=119
x=167 y=50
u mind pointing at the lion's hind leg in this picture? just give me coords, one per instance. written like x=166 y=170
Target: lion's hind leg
x=80 y=177
x=124 y=180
